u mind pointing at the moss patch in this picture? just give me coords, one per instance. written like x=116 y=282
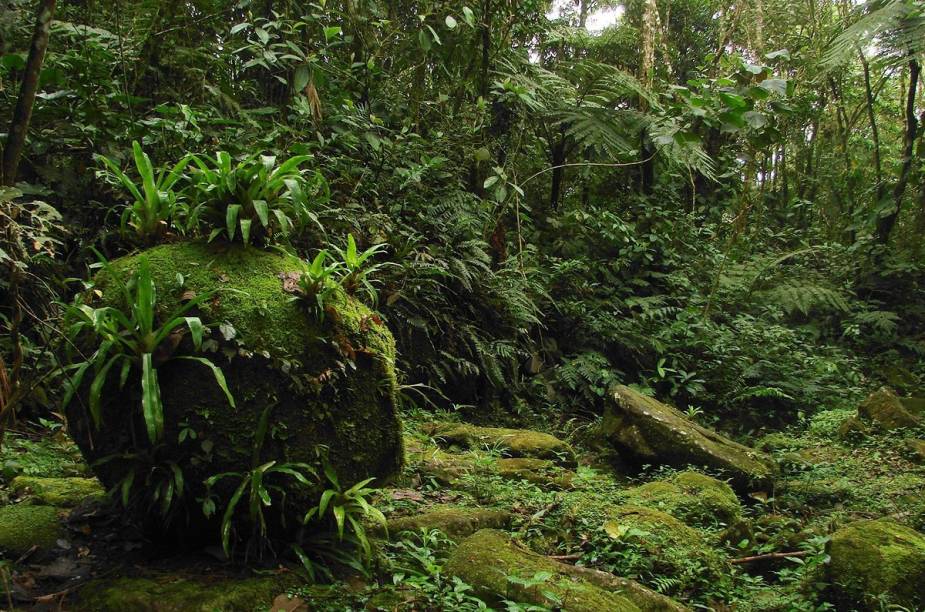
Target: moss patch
x=489 y=559
x=691 y=497
x=454 y=521
x=23 y=526
x=879 y=557
x=179 y=594
x=61 y=492
x=541 y=472
x=510 y=442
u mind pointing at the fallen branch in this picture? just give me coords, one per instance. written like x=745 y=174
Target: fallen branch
x=572 y=557
x=777 y=555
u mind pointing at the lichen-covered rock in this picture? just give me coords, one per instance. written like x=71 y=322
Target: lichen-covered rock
x=886 y=410
x=691 y=497
x=23 y=526
x=876 y=560
x=172 y=593
x=510 y=442
x=325 y=382
x=489 y=559
x=60 y=492
x=454 y=521
x=655 y=433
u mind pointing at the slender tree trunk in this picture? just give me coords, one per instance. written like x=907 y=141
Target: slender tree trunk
x=875 y=132
x=886 y=224
x=22 y=114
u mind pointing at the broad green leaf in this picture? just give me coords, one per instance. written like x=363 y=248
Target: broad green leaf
x=216 y=372
x=231 y=220
x=263 y=212
x=151 y=399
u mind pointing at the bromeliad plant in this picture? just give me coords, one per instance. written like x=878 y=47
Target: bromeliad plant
x=318 y=282
x=126 y=343
x=357 y=268
x=256 y=199
x=349 y=508
x=155 y=206
x=258 y=487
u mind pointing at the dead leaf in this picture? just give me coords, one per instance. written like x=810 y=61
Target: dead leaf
x=188 y=296
x=406 y=494
x=290 y=281
x=284 y=603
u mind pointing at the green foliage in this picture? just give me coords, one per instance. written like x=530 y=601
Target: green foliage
x=256 y=199
x=124 y=342
x=318 y=281
x=357 y=268
x=348 y=508
x=155 y=207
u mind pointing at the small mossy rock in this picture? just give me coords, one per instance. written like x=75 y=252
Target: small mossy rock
x=853 y=428
x=541 y=472
x=691 y=497
x=328 y=382
x=673 y=546
x=446 y=468
x=488 y=558
x=171 y=593
x=60 y=492
x=888 y=411
x=655 y=433
x=455 y=521
x=878 y=559
x=23 y=526
x=510 y=442
x=916 y=450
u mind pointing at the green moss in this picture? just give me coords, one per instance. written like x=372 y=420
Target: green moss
x=541 y=472
x=329 y=382
x=23 y=526
x=179 y=594
x=488 y=559
x=878 y=558
x=656 y=433
x=885 y=409
x=691 y=497
x=916 y=450
x=511 y=442
x=455 y=521
x=61 y=492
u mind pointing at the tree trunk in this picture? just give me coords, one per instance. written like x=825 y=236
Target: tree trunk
x=886 y=224
x=22 y=114
x=875 y=133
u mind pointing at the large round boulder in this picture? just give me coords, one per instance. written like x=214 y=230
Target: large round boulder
x=326 y=383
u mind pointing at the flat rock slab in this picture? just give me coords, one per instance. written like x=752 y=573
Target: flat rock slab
x=487 y=559
x=455 y=521
x=656 y=433
x=510 y=442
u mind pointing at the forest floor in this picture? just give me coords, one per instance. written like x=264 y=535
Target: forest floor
x=703 y=547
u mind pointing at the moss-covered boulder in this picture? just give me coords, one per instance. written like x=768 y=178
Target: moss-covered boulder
x=23 y=526
x=509 y=442
x=691 y=497
x=885 y=410
x=498 y=568
x=655 y=433
x=916 y=450
x=327 y=384
x=455 y=521
x=544 y=473
x=174 y=593
x=878 y=560
x=60 y=492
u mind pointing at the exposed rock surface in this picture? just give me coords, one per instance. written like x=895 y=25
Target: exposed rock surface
x=510 y=442
x=878 y=558
x=488 y=558
x=655 y=433
x=324 y=382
